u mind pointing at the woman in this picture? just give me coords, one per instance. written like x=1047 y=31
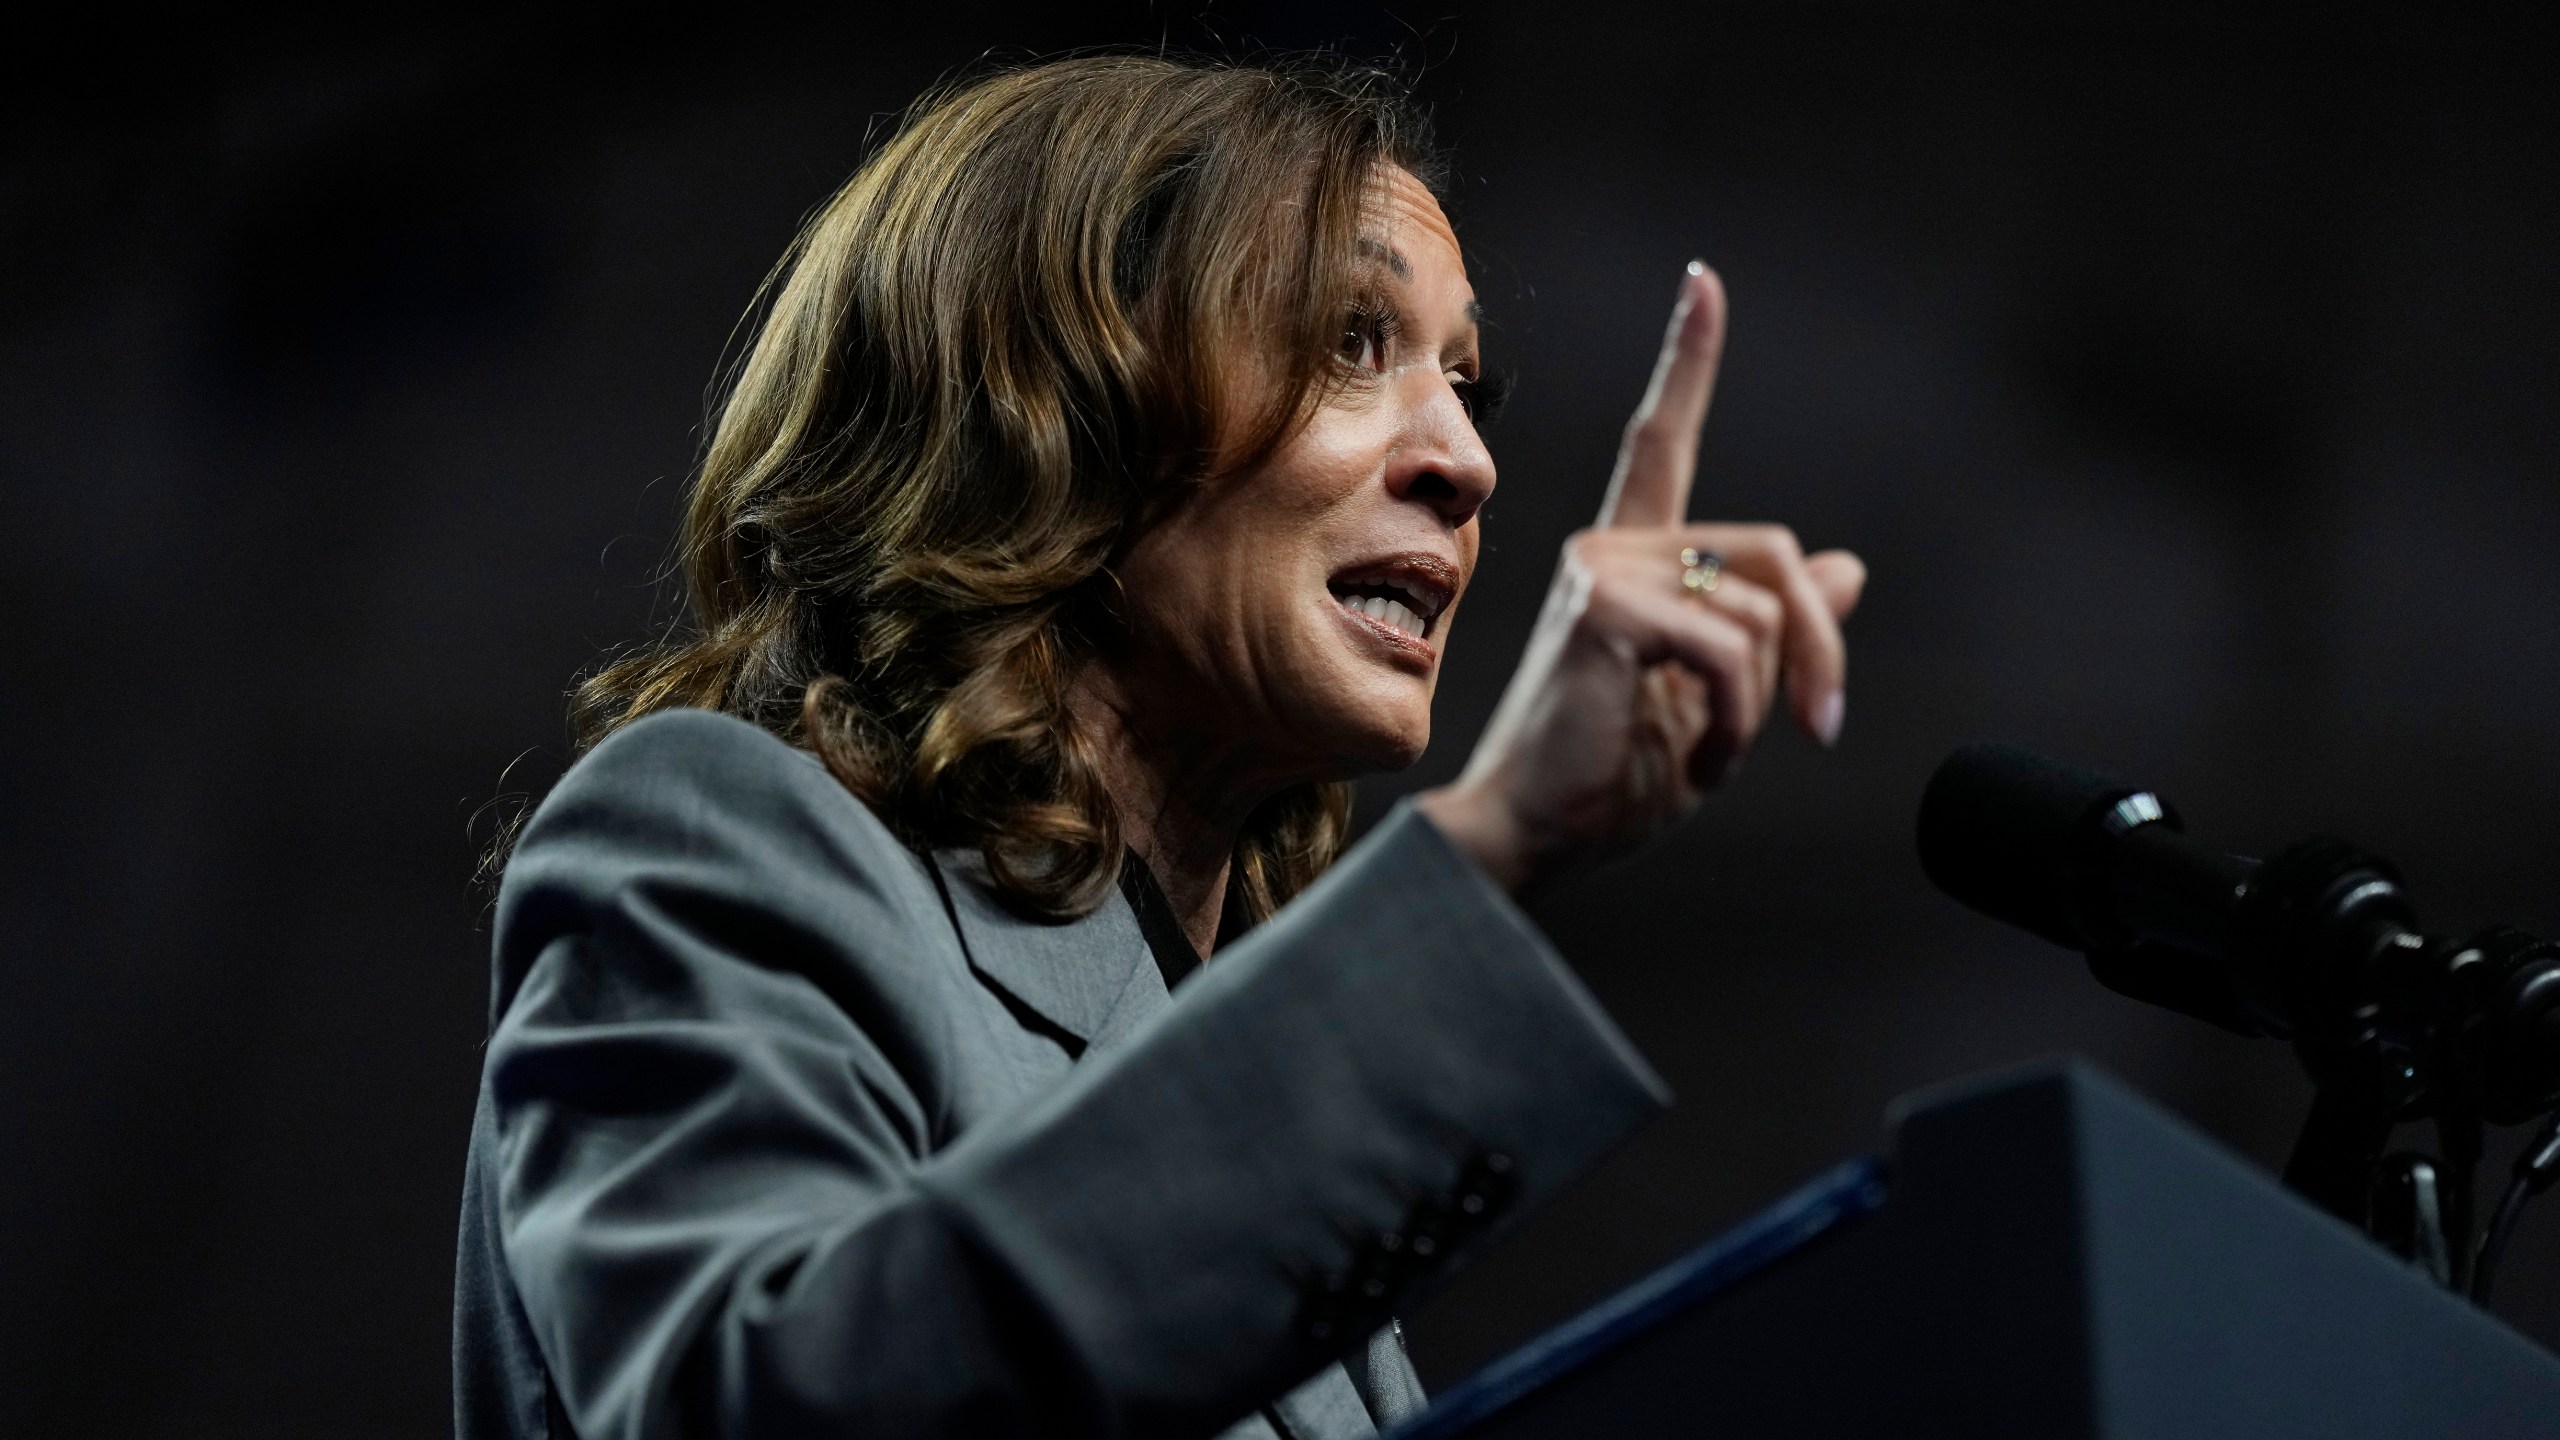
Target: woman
x=1096 y=498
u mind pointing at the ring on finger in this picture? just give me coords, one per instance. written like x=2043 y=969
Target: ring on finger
x=1701 y=571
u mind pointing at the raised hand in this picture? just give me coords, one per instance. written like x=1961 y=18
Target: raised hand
x=1659 y=652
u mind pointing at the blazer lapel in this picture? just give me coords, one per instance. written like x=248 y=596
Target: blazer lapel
x=1075 y=975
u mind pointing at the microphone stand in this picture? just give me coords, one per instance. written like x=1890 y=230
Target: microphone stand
x=2393 y=1026
x=2319 y=946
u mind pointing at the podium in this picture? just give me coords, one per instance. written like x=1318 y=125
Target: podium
x=2041 y=1254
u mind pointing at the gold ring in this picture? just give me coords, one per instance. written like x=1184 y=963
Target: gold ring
x=1701 y=571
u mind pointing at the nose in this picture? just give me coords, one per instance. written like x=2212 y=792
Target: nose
x=1440 y=460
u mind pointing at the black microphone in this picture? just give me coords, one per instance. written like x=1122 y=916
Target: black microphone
x=2094 y=864
x=2319 y=945
x=2074 y=856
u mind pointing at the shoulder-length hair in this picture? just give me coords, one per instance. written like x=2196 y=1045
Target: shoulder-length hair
x=1053 y=298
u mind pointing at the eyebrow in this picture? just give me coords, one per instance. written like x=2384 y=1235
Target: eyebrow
x=1394 y=260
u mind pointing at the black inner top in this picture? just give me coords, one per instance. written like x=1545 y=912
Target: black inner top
x=1175 y=959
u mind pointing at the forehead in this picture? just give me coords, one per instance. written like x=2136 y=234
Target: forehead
x=1402 y=214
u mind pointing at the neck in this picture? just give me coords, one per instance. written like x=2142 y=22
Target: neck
x=1182 y=801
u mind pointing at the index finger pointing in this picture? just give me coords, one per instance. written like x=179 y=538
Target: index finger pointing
x=1660 y=456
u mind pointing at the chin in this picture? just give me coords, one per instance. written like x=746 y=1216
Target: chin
x=1382 y=739
x=1361 y=717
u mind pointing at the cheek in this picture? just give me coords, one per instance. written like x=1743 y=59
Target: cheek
x=1281 y=528
x=1323 y=468
x=1227 y=592
x=1217 y=589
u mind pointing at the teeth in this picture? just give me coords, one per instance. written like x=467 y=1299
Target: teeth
x=1390 y=612
x=1405 y=613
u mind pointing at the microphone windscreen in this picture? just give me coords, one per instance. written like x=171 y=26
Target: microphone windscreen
x=2007 y=831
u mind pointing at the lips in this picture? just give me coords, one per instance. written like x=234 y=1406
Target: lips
x=1404 y=594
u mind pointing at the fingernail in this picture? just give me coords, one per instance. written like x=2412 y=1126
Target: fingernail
x=1697 y=267
x=1828 y=716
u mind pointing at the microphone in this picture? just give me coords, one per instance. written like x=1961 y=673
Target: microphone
x=2319 y=945
x=2083 y=860
x=2096 y=865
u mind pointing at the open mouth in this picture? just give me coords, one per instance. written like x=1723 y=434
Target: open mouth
x=1406 y=594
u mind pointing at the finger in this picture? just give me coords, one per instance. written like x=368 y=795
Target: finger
x=1696 y=716
x=1757 y=608
x=1688 y=702
x=1660 y=454
x=1816 y=659
x=1676 y=701
x=1656 y=556
x=1842 y=578
x=1752 y=604
x=1674 y=705
x=1762 y=616
x=1667 y=628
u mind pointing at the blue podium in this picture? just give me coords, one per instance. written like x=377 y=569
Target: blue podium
x=2041 y=1254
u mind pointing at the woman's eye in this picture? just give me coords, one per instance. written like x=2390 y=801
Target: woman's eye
x=1481 y=395
x=1358 y=348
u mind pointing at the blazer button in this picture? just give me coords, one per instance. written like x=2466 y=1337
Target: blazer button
x=1385 y=1266
x=1427 y=1225
x=1486 y=1183
x=1328 y=1303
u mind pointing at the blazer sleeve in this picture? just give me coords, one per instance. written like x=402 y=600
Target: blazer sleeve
x=726 y=1198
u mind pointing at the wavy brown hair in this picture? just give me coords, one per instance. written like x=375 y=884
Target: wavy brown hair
x=1053 y=298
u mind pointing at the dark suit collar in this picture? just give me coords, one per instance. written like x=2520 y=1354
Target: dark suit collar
x=1073 y=975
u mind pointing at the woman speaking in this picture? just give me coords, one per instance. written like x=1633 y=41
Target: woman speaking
x=1095 y=500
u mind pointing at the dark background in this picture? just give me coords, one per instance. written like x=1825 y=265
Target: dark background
x=2189 y=383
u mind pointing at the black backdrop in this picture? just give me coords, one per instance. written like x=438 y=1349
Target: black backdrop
x=2189 y=384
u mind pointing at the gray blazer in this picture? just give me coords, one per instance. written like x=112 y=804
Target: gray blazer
x=785 y=1129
